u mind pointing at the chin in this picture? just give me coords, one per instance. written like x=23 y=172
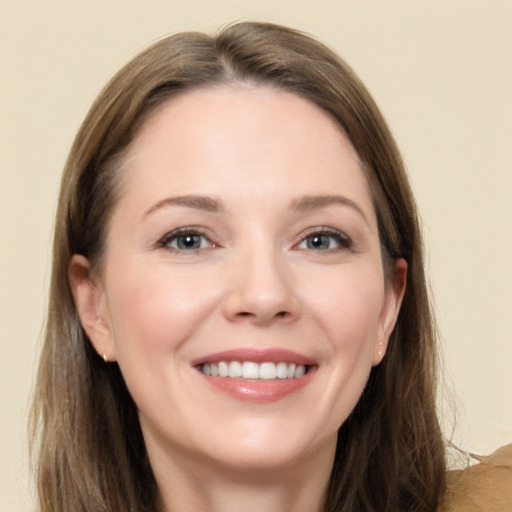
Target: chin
x=262 y=446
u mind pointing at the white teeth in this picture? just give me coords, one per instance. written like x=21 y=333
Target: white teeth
x=223 y=369
x=282 y=371
x=267 y=371
x=300 y=371
x=251 y=370
x=235 y=369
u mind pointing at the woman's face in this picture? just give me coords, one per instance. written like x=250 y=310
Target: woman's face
x=244 y=242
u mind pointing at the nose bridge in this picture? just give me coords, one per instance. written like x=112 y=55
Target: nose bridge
x=261 y=287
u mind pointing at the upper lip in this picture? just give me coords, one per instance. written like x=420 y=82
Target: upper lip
x=256 y=356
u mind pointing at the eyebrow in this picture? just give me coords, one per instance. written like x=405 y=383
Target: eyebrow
x=214 y=204
x=308 y=203
x=206 y=203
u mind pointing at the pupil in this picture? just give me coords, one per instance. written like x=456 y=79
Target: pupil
x=188 y=242
x=319 y=241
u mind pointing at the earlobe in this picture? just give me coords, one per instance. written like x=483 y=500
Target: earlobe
x=395 y=291
x=90 y=305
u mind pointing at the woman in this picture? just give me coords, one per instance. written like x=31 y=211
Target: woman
x=238 y=315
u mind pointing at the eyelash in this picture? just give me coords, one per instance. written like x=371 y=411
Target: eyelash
x=342 y=240
x=172 y=236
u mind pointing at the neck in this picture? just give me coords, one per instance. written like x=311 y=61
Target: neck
x=190 y=484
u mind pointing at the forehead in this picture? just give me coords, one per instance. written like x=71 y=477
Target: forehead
x=238 y=138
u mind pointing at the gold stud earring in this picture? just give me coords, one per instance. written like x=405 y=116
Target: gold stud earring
x=105 y=357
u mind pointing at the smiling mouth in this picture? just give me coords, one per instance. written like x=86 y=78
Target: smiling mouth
x=250 y=370
x=256 y=376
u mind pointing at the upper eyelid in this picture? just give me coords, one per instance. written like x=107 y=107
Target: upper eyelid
x=325 y=230
x=208 y=234
x=175 y=233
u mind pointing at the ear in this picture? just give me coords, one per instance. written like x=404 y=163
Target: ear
x=91 y=305
x=394 y=293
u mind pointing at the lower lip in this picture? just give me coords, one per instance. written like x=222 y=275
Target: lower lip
x=259 y=391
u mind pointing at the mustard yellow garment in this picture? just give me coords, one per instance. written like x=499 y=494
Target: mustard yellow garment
x=484 y=487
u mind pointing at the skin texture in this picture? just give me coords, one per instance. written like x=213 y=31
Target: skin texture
x=256 y=281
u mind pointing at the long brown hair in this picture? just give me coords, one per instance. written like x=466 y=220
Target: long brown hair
x=87 y=441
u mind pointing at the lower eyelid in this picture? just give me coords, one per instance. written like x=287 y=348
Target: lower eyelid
x=342 y=240
x=201 y=243
x=167 y=239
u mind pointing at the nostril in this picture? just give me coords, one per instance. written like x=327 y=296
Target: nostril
x=248 y=314
x=260 y=308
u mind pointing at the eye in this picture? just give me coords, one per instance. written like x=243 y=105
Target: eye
x=185 y=240
x=325 y=240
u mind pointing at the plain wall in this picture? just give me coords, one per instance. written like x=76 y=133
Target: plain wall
x=441 y=72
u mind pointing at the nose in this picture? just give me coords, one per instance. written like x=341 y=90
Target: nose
x=261 y=290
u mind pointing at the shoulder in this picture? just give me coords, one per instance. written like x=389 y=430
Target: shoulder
x=484 y=487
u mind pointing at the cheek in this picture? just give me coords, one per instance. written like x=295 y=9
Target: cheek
x=156 y=309
x=347 y=306
x=347 y=318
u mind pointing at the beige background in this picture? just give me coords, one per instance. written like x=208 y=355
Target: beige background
x=440 y=70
